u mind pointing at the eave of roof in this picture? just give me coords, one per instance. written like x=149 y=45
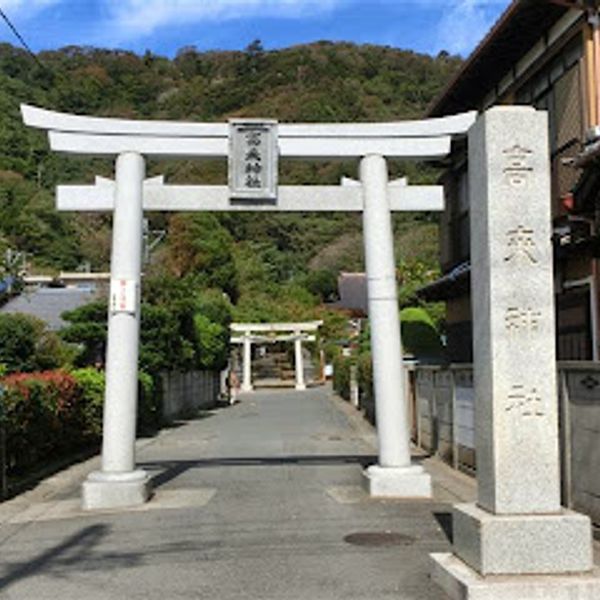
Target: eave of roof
x=516 y=31
x=451 y=285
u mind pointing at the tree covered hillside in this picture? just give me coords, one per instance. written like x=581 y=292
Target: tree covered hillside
x=270 y=266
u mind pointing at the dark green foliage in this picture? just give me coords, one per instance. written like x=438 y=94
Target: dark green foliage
x=323 y=284
x=341 y=375
x=87 y=329
x=149 y=416
x=163 y=347
x=199 y=248
x=213 y=314
x=30 y=222
x=419 y=335
x=26 y=345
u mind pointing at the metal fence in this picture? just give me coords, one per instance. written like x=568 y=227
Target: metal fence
x=444 y=424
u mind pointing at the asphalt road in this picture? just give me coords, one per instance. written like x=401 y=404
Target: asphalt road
x=261 y=500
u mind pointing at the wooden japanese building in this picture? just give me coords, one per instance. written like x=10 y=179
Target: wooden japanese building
x=546 y=54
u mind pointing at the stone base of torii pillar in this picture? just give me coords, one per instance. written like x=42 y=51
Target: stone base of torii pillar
x=397 y=482
x=115 y=490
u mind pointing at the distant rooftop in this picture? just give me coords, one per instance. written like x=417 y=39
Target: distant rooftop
x=48 y=304
x=352 y=288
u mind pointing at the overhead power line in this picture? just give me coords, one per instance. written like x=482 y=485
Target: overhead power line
x=20 y=37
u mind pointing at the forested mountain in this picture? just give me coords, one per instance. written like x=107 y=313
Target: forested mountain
x=269 y=265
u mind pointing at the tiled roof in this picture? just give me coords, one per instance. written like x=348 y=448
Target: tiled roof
x=353 y=292
x=49 y=303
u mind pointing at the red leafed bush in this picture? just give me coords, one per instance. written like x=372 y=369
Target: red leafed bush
x=44 y=417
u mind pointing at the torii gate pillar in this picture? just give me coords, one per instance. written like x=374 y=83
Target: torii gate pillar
x=118 y=483
x=394 y=475
x=299 y=363
x=247 y=364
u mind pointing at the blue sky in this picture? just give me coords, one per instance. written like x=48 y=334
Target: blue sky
x=164 y=26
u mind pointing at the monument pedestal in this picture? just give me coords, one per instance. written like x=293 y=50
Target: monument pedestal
x=397 y=482
x=522 y=544
x=461 y=582
x=103 y=490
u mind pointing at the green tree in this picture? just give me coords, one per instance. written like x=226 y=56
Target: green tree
x=87 y=329
x=200 y=247
x=27 y=345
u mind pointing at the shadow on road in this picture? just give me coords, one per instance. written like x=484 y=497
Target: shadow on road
x=170 y=470
x=75 y=551
x=444 y=520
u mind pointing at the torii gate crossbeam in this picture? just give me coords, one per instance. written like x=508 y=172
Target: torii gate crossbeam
x=119 y=483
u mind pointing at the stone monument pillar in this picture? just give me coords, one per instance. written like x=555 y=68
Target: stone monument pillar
x=517 y=528
x=299 y=362
x=247 y=364
x=394 y=476
x=119 y=483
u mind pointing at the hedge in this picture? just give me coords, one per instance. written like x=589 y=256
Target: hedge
x=49 y=415
x=44 y=418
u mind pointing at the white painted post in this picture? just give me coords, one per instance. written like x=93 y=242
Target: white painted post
x=118 y=483
x=299 y=362
x=394 y=475
x=247 y=380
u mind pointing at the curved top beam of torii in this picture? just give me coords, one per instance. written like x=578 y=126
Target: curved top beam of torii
x=419 y=139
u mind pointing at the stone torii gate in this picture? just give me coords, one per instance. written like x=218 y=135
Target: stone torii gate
x=256 y=333
x=119 y=483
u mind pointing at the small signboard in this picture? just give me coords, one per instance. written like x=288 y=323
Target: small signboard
x=123 y=296
x=253 y=158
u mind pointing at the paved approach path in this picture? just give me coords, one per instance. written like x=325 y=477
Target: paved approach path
x=254 y=501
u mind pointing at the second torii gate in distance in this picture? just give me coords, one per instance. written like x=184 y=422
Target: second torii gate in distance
x=118 y=483
x=252 y=333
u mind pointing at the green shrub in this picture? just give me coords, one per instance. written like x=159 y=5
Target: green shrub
x=341 y=376
x=43 y=417
x=91 y=383
x=365 y=385
x=149 y=403
x=26 y=345
x=213 y=343
x=365 y=375
x=419 y=335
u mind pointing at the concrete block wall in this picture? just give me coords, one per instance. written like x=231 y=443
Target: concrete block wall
x=445 y=425
x=184 y=394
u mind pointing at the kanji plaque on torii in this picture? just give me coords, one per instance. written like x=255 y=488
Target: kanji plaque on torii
x=253 y=159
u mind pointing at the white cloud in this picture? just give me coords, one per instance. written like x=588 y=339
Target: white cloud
x=131 y=19
x=25 y=9
x=465 y=23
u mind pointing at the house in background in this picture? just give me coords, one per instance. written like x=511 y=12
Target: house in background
x=48 y=303
x=546 y=54
x=352 y=290
x=48 y=297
